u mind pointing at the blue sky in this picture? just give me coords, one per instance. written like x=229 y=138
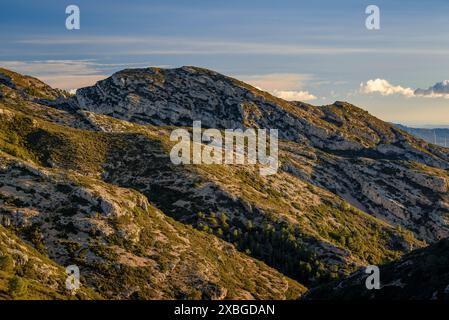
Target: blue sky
x=319 y=51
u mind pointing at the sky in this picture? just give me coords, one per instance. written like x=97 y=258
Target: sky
x=316 y=51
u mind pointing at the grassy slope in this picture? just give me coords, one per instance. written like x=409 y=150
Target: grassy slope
x=367 y=239
x=47 y=144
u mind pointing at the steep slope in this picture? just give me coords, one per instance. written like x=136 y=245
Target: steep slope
x=294 y=244
x=351 y=189
x=37 y=277
x=400 y=179
x=371 y=164
x=420 y=275
x=281 y=225
x=125 y=248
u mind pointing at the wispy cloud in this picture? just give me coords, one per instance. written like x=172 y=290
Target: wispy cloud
x=47 y=67
x=65 y=74
x=288 y=86
x=277 y=81
x=148 y=45
x=179 y=46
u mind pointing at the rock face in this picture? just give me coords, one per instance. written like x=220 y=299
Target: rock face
x=170 y=97
x=181 y=96
x=88 y=180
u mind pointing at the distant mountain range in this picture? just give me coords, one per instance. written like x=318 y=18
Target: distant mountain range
x=87 y=180
x=439 y=136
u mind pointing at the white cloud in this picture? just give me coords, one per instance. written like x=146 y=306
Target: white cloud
x=385 y=88
x=294 y=95
x=382 y=86
x=438 y=90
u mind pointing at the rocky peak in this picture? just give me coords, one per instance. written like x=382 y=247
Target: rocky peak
x=168 y=97
x=179 y=96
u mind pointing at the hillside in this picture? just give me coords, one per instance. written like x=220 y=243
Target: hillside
x=420 y=275
x=91 y=176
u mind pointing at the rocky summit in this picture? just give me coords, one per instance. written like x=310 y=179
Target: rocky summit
x=87 y=180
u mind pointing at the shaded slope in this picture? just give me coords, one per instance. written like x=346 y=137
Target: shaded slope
x=422 y=274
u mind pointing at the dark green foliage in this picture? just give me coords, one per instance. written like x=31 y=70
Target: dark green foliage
x=6 y=263
x=420 y=275
x=34 y=235
x=17 y=287
x=278 y=244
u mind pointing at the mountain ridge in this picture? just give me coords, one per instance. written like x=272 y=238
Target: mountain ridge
x=307 y=225
x=363 y=136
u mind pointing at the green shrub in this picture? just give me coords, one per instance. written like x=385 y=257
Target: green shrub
x=34 y=235
x=6 y=263
x=17 y=287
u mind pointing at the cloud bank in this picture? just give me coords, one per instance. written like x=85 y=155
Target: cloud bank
x=385 y=88
x=438 y=90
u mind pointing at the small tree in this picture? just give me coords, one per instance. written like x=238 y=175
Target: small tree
x=224 y=220
x=6 y=263
x=17 y=287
